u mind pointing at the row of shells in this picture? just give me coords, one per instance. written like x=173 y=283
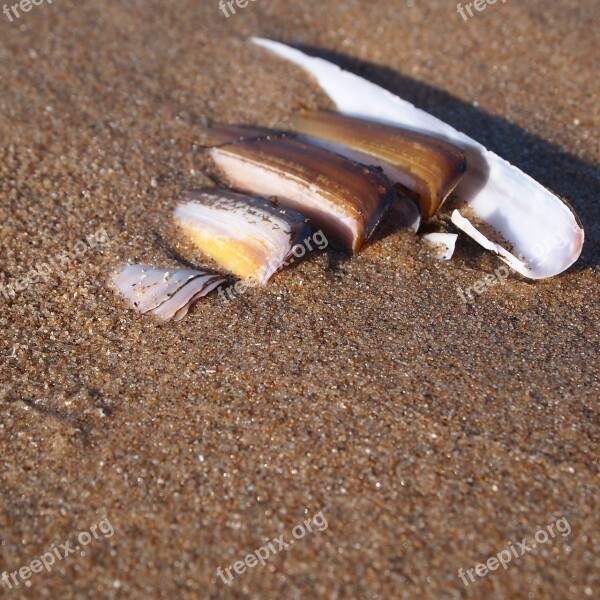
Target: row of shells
x=340 y=173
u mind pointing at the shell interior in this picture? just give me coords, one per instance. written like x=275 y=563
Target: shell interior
x=248 y=236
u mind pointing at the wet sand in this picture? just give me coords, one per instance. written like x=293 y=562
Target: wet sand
x=428 y=431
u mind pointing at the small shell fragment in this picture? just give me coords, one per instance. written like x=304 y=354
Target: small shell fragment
x=427 y=166
x=167 y=293
x=248 y=236
x=444 y=244
x=341 y=196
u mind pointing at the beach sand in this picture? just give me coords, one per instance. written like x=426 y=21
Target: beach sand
x=429 y=432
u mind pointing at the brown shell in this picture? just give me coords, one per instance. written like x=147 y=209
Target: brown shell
x=434 y=166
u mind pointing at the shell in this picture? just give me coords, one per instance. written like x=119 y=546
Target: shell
x=248 y=236
x=428 y=167
x=340 y=196
x=444 y=243
x=539 y=234
x=167 y=293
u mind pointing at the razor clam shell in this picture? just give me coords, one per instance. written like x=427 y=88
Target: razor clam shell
x=444 y=243
x=344 y=198
x=267 y=231
x=525 y=215
x=427 y=166
x=149 y=288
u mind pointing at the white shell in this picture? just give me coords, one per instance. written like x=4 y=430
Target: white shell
x=267 y=231
x=167 y=293
x=444 y=243
x=543 y=233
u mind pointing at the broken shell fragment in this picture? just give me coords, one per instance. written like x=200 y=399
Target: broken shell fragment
x=444 y=244
x=167 y=293
x=540 y=235
x=248 y=236
x=341 y=196
x=427 y=166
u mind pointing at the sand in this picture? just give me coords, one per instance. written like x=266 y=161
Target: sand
x=429 y=432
